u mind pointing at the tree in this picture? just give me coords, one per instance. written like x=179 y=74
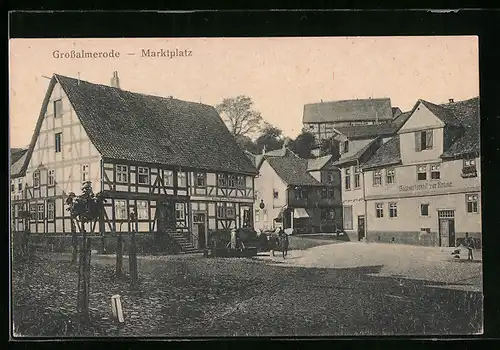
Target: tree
x=240 y=118
x=85 y=209
x=246 y=143
x=330 y=146
x=303 y=144
x=270 y=138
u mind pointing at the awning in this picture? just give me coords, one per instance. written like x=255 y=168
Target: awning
x=299 y=213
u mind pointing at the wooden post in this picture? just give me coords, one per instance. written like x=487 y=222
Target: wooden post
x=132 y=253
x=74 y=241
x=84 y=277
x=119 y=255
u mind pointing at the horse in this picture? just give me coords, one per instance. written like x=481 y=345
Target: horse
x=280 y=243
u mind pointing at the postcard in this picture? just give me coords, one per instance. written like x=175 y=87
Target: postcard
x=210 y=187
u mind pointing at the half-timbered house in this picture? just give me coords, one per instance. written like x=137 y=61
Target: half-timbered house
x=174 y=163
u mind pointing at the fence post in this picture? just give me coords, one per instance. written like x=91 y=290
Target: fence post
x=132 y=254
x=74 y=242
x=119 y=255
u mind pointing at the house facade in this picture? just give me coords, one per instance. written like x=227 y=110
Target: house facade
x=296 y=193
x=172 y=162
x=422 y=186
x=322 y=119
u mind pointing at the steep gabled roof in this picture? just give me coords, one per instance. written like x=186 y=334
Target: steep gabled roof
x=356 y=149
x=348 y=110
x=16 y=154
x=468 y=113
x=131 y=126
x=319 y=163
x=387 y=154
x=17 y=167
x=444 y=114
x=292 y=170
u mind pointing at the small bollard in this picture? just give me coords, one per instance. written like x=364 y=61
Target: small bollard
x=116 y=308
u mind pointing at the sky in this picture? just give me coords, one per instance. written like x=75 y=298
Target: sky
x=279 y=74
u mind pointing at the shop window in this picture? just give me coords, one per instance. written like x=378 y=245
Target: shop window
x=347 y=219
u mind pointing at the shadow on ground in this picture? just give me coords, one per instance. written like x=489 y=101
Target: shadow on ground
x=239 y=297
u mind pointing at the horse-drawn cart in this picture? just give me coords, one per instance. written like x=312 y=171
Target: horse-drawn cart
x=232 y=243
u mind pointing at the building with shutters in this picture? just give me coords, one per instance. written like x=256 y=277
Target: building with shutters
x=422 y=185
x=296 y=193
x=172 y=162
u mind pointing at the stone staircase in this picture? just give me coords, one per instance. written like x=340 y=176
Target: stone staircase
x=183 y=241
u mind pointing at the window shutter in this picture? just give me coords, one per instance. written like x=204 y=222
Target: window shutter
x=417 y=142
x=428 y=140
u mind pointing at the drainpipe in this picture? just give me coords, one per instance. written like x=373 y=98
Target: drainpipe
x=365 y=203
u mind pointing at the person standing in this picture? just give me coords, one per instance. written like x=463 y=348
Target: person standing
x=469 y=244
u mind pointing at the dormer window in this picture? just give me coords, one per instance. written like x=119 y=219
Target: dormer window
x=423 y=140
x=469 y=168
x=346 y=146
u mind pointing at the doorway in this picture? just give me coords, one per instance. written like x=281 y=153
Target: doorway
x=166 y=217
x=446 y=228
x=361 y=227
x=200 y=228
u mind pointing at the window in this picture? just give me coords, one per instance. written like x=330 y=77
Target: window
x=57 y=108
x=346 y=146
x=424 y=209
x=20 y=185
x=40 y=211
x=12 y=187
x=393 y=210
x=347 y=212
x=472 y=203
x=231 y=181
x=330 y=177
x=181 y=179
x=257 y=215
x=121 y=209
x=142 y=210
x=357 y=174
x=391 y=176
x=221 y=212
x=201 y=179
x=180 y=213
x=122 y=174
x=423 y=140
x=85 y=173
x=469 y=169
x=379 y=210
x=240 y=181
x=33 y=212
x=52 y=177
x=305 y=194
x=36 y=179
x=422 y=172
x=57 y=142
x=221 y=180
x=435 y=173
x=324 y=193
x=168 y=177
x=377 y=177
x=264 y=213
x=347 y=179
x=275 y=194
x=142 y=176
x=50 y=210
x=230 y=212
x=298 y=193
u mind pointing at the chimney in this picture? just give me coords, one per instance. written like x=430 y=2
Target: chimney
x=264 y=150
x=115 y=81
x=450 y=100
